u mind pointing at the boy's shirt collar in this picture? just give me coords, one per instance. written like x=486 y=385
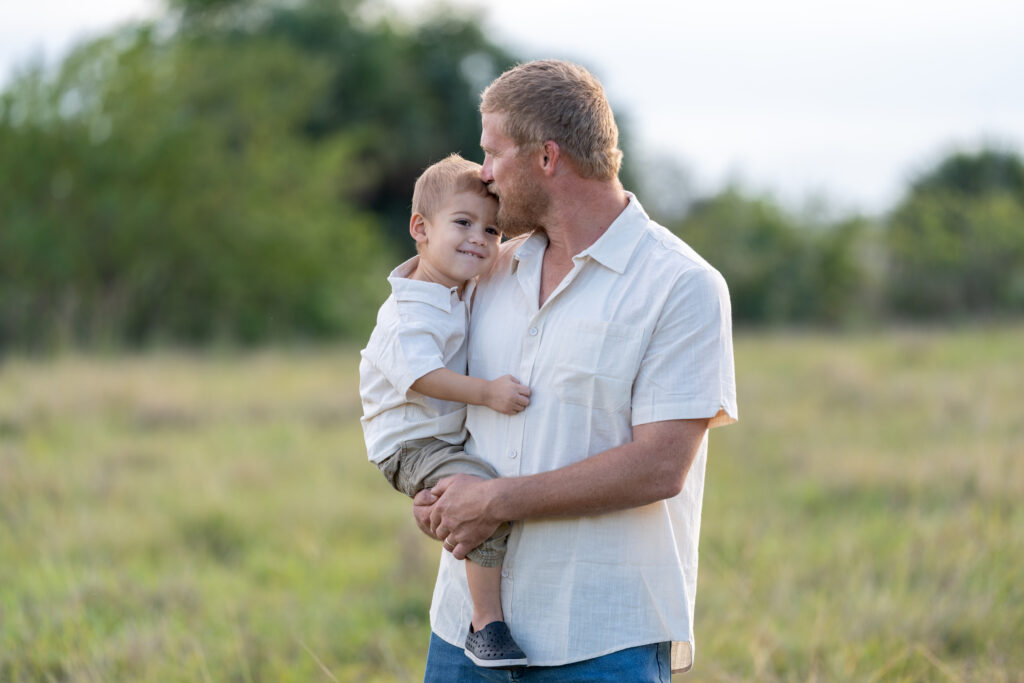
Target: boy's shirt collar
x=432 y=293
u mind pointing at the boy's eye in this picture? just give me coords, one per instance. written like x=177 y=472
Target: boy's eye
x=492 y=231
x=462 y=221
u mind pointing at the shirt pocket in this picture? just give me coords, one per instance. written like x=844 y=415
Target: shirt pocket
x=597 y=364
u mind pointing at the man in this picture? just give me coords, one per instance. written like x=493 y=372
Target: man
x=623 y=334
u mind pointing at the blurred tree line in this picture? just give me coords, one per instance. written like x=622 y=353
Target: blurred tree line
x=242 y=170
x=952 y=248
x=235 y=170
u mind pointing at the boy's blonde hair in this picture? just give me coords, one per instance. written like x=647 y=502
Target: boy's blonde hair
x=556 y=100
x=443 y=179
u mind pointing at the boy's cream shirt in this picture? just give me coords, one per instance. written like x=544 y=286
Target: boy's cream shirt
x=420 y=328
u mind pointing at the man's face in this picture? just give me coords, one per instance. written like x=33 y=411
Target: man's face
x=507 y=170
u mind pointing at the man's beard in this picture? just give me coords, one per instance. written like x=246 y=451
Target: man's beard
x=521 y=206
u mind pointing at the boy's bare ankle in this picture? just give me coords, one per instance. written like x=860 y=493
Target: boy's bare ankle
x=480 y=621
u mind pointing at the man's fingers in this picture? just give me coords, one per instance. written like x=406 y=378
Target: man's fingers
x=424 y=497
x=440 y=487
x=460 y=551
x=435 y=524
x=421 y=513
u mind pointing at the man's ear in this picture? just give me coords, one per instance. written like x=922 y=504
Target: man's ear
x=549 y=157
x=418 y=228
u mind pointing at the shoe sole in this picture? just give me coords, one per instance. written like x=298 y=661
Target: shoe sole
x=515 y=663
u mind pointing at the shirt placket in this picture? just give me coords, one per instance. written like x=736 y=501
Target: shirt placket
x=533 y=336
x=528 y=360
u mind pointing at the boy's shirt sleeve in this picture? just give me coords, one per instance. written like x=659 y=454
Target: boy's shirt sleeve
x=415 y=345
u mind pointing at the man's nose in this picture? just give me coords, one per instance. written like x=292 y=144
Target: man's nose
x=485 y=171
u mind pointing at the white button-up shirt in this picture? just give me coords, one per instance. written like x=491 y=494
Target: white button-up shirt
x=639 y=331
x=420 y=328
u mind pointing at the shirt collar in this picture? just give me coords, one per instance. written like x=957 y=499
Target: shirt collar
x=431 y=293
x=613 y=249
x=533 y=245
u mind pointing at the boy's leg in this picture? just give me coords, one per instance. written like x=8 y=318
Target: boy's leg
x=483 y=574
x=485 y=589
x=421 y=463
x=489 y=643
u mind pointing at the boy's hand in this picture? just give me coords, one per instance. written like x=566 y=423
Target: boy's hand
x=506 y=395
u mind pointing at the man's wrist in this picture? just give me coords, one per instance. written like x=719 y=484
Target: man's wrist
x=497 y=507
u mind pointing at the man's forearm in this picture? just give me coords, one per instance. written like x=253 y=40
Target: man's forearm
x=651 y=468
x=464 y=510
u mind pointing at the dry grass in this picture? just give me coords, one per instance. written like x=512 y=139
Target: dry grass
x=212 y=517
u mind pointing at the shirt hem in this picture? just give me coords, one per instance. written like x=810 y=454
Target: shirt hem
x=718 y=414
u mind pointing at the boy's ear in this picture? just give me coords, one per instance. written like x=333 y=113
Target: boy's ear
x=418 y=228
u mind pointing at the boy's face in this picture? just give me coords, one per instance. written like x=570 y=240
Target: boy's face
x=461 y=241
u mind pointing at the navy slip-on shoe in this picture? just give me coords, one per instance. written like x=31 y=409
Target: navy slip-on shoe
x=493 y=647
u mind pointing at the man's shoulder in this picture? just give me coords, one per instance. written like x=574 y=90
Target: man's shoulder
x=662 y=250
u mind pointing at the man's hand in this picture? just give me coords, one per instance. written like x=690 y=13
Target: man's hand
x=422 y=506
x=454 y=512
x=507 y=395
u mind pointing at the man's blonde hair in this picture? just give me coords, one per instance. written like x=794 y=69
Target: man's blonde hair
x=441 y=180
x=556 y=100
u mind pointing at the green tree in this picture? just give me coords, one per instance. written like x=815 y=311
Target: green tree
x=158 y=189
x=956 y=241
x=407 y=94
x=986 y=172
x=779 y=268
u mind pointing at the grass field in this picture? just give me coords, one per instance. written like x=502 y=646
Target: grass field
x=212 y=517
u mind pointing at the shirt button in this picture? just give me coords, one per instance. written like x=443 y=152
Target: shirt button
x=533 y=331
x=512 y=454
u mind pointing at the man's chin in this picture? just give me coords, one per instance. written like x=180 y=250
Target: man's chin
x=511 y=230
x=514 y=226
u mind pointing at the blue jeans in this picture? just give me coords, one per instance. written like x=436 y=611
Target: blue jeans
x=644 y=664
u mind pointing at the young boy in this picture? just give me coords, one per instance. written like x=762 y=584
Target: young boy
x=412 y=378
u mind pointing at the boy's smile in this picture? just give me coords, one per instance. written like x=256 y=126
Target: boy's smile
x=459 y=243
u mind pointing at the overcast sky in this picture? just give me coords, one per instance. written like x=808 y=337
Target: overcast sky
x=796 y=97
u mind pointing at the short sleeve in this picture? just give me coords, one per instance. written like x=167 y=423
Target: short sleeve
x=416 y=347
x=687 y=371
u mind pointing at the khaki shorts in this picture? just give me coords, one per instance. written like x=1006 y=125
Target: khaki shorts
x=420 y=463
